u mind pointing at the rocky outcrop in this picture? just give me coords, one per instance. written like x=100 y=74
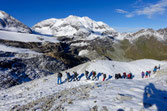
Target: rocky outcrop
x=23 y=67
x=15 y=70
x=61 y=51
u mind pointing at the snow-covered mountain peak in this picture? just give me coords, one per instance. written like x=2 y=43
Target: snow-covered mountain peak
x=9 y=23
x=73 y=17
x=74 y=26
x=159 y=34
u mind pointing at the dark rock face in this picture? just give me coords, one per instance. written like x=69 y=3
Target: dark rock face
x=61 y=51
x=24 y=67
x=98 y=48
x=15 y=70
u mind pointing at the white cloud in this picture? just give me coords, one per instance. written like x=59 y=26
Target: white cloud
x=129 y=15
x=121 y=11
x=149 y=11
x=158 y=8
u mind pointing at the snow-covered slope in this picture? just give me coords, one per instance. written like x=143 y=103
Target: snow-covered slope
x=16 y=50
x=22 y=37
x=9 y=23
x=112 y=89
x=74 y=26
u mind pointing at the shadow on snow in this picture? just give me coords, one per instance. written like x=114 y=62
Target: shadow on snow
x=153 y=96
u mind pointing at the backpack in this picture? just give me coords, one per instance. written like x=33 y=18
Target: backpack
x=104 y=75
x=59 y=74
x=76 y=74
x=68 y=74
x=86 y=72
x=94 y=73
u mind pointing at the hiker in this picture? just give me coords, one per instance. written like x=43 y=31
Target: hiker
x=149 y=73
x=59 y=76
x=86 y=74
x=91 y=73
x=68 y=76
x=159 y=67
x=129 y=76
x=142 y=74
x=94 y=75
x=116 y=76
x=146 y=74
x=98 y=75
x=75 y=76
x=124 y=75
x=155 y=69
x=119 y=75
x=104 y=77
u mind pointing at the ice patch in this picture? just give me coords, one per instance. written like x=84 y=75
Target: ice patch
x=83 y=52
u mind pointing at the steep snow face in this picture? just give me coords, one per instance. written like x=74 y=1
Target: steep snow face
x=74 y=26
x=160 y=35
x=9 y=23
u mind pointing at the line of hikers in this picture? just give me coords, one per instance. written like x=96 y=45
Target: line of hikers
x=88 y=76
x=148 y=73
x=124 y=76
x=96 y=76
x=75 y=76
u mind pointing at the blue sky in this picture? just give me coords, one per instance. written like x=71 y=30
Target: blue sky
x=123 y=15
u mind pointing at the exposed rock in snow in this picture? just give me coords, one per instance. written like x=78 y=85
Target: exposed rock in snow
x=9 y=23
x=74 y=26
x=16 y=68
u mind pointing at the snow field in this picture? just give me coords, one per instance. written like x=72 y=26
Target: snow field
x=23 y=37
x=28 y=92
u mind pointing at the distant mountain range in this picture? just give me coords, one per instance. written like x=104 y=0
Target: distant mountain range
x=75 y=27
